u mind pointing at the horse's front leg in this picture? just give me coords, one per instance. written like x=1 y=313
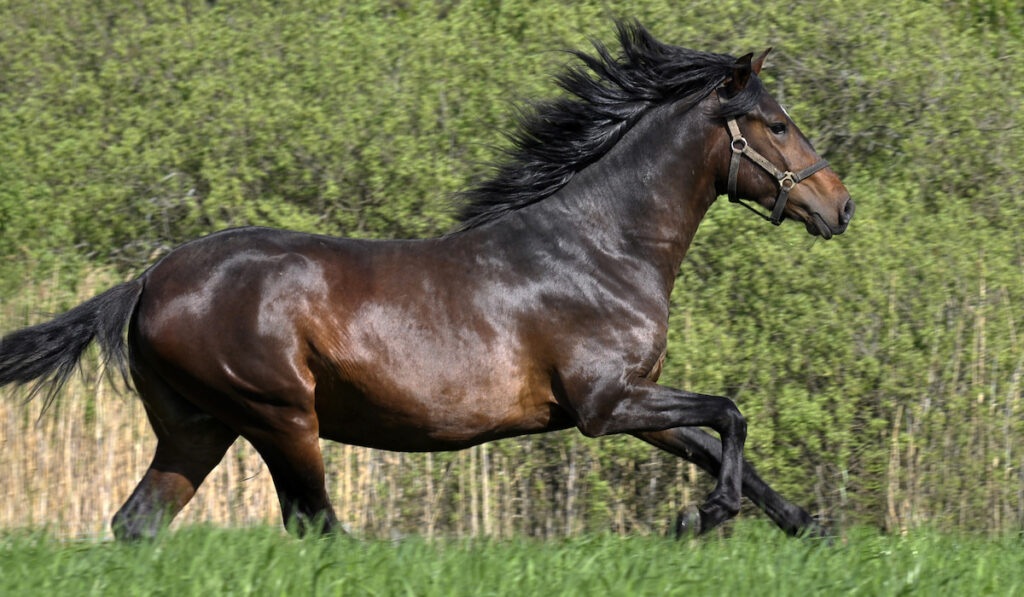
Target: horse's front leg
x=704 y=450
x=640 y=406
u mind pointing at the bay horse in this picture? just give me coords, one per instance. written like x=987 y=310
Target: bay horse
x=546 y=309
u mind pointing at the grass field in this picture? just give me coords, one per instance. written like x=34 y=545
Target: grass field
x=755 y=560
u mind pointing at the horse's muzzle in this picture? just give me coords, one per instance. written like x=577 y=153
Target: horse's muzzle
x=848 y=209
x=817 y=225
x=844 y=219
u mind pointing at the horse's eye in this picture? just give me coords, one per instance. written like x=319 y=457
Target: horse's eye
x=778 y=128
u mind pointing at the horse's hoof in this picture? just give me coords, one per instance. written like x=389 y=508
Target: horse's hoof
x=688 y=524
x=821 y=528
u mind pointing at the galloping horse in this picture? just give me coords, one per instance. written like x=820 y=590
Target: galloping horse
x=546 y=309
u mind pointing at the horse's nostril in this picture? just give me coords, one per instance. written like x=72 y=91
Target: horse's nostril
x=848 y=210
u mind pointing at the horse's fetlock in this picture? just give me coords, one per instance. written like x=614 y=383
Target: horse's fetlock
x=727 y=506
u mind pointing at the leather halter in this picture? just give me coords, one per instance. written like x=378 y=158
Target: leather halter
x=786 y=179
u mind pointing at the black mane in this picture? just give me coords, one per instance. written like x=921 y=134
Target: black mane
x=558 y=138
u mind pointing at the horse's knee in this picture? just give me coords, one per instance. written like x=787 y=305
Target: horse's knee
x=593 y=426
x=734 y=421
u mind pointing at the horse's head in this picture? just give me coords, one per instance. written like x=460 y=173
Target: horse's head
x=773 y=164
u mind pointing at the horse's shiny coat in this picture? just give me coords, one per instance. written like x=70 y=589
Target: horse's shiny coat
x=547 y=310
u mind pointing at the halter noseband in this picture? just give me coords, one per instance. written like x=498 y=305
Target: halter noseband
x=786 y=179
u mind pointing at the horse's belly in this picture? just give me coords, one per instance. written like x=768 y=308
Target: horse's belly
x=411 y=419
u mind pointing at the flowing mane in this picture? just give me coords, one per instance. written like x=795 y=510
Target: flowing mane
x=608 y=94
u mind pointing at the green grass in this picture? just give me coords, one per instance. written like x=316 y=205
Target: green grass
x=755 y=560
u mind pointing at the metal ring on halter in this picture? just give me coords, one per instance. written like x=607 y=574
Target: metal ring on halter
x=790 y=178
x=741 y=147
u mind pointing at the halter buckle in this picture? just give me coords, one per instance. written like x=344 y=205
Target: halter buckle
x=787 y=181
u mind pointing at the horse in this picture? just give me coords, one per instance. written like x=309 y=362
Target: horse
x=546 y=308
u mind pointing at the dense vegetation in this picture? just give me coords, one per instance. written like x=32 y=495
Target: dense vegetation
x=881 y=371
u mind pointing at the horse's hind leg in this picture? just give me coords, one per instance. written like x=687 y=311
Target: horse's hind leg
x=704 y=450
x=189 y=444
x=291 y=448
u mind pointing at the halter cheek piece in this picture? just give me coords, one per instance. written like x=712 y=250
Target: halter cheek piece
x=786 y=179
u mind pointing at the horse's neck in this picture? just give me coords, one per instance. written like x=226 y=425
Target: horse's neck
x=644 y=200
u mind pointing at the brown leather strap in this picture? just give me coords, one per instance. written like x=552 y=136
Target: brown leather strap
x=786 y=179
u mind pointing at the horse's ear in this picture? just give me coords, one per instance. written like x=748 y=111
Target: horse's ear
x=757 y=64
x=740 y=75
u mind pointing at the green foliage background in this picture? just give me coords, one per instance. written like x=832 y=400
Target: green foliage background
x=880 y=371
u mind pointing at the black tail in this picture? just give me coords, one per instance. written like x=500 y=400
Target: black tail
x=48 y=353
